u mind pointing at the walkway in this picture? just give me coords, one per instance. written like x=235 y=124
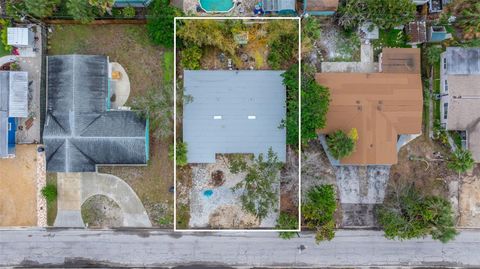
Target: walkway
x=75 y=188
x=146 y=248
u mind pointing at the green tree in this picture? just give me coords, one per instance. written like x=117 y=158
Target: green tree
x=315 y=102
x=310 y=33
x=287 y=221
x=212 y=33
x=191 y=57
x=318 y=211
x=157 y=106
x=283 y=43
x=181 y=153
x=41 y=8
x=461 y=161
x=80 y=10
x=407 y=214
x=385 y=14
x=433 y=55
x=50 y=192
x=469 y=19
x=341 y=144
x=160 y=22
x=260 y=186
x=128 y=12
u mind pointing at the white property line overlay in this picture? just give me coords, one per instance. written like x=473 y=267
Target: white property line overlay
x=175 y=124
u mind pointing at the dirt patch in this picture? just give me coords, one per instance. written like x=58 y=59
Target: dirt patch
x=99 y=211
x=469 y=202
x=289 y=183
x=232 y=217
x=422 y=163
x=218 y=178
x=18 y=188
x=128 y=45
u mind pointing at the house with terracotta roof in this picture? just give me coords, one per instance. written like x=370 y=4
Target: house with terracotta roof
x=460 y=95
x=382 y=106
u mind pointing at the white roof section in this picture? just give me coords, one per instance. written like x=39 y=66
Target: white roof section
x=19 y=36
x=233 y=112
x=18 y=96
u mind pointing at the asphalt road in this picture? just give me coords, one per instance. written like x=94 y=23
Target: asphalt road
x=27 y=247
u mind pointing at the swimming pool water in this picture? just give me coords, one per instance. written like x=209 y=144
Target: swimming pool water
x=216 y=5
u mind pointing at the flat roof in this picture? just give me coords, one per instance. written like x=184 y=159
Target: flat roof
x=233 y=112
x=18 y=36
x=463 y=61
x=380 y=106
x=401 y=60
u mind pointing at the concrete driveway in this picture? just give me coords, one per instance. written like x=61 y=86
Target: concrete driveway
x=75 y=188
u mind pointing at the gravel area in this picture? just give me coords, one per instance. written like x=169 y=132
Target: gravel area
x=223 y=207
x=41 y=182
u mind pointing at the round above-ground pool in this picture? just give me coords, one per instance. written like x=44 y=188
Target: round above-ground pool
x=216 y=5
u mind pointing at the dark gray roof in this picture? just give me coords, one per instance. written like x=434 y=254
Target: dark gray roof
x=80 y=132
x=233 y=95
x=463 y=61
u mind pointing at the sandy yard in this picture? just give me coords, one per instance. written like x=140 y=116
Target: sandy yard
x=18 y=188
x=223 y=209
x=469 y=202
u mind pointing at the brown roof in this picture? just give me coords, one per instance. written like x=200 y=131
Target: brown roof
x=322 y=5
x=417 y=32
x=379 y=105
x=400 y=60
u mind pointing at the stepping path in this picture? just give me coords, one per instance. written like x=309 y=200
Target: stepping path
x=75 y=188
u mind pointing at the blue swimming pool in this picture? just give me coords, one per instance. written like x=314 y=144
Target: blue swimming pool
x=216 y=5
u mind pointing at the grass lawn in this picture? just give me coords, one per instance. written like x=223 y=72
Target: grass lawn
x=51 y=206
x=389 y=39
x=146 y=66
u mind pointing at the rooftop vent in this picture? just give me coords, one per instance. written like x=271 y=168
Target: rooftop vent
x=217 y=117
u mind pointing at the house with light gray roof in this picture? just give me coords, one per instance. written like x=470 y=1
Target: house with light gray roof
x=233 y=112
x=460 y=95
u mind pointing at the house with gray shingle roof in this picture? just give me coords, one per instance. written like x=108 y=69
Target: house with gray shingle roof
x=233 y=112
x=460 y=94
x=81 y=131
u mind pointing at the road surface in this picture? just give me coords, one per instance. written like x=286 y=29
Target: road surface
x=77 y=247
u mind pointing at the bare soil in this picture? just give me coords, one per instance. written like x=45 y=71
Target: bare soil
x=18 y=188
x=289 y=183
x=418 y=165
x=99 y=211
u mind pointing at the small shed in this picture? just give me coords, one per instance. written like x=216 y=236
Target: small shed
x=279 y=6
x=416 y=32
x=320 y=7
x=20 y=36
x=437 y=34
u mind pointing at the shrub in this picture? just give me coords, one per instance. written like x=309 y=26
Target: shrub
x=191 y=57
x=461 y=161
x=181 y=153
x=287 y=221
x=4 y=23
x=408 y=214
x=50 y=192
x=41 y=8
x=80 y=10
x=386 y=14
x=128 y=12
x=341 y=144
x=160 y=22
x=318 y=211
x=260 y=186
x=315 y=102
x=433 y=55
